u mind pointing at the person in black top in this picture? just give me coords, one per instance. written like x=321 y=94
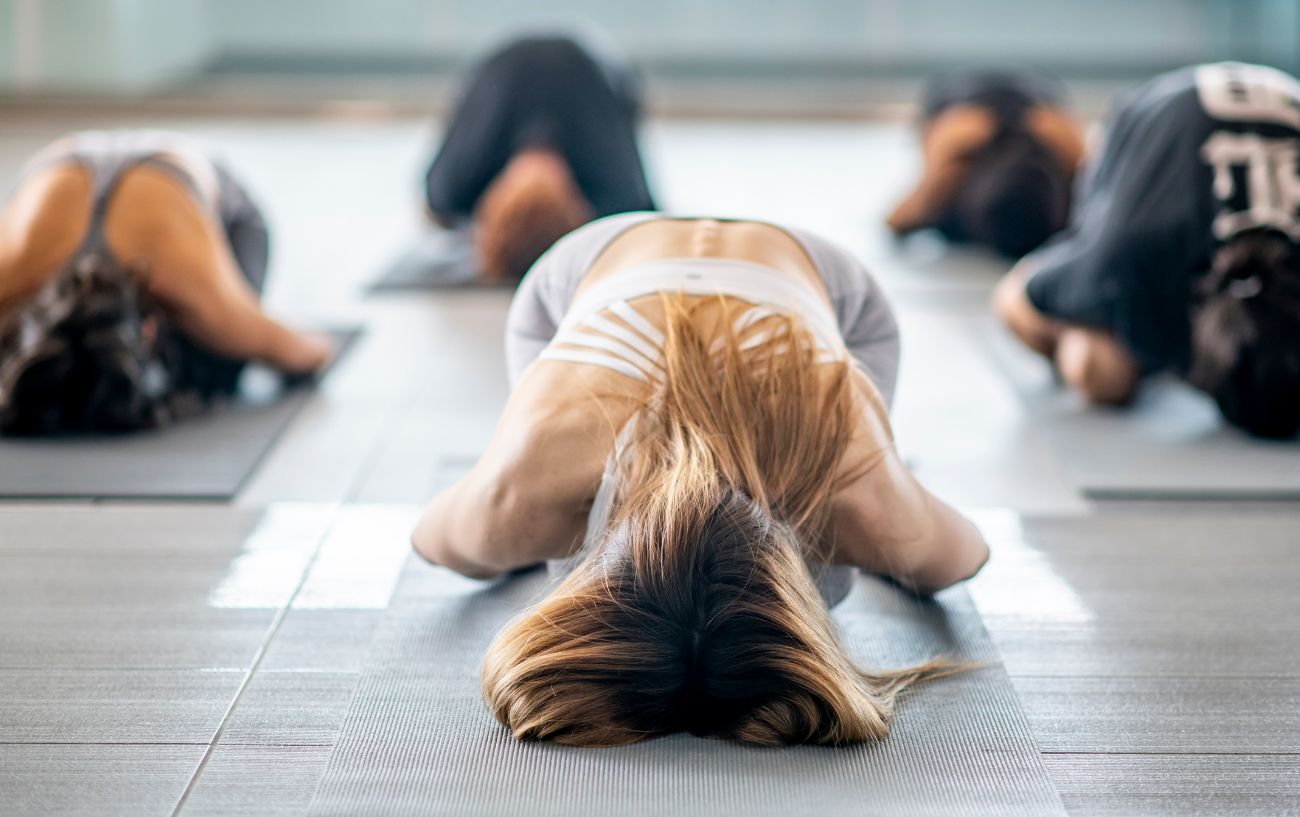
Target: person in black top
x=999 y=153
x=1182 y=254
x=542 y=140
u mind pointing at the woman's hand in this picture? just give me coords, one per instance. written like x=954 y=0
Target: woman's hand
x=305 y=353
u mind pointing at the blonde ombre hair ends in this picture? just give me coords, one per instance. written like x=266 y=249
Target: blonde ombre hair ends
x=694 y=610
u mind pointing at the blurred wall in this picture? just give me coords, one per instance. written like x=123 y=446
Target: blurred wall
x=102 y=45
x=8 y=35
x=128 y=46
x=1063 y=32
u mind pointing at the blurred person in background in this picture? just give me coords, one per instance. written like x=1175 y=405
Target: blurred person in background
x=130 y=267
x=1182 y=254
x=542 y=140
x=999 y=150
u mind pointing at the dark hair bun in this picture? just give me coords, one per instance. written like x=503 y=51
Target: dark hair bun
x=1016 y=196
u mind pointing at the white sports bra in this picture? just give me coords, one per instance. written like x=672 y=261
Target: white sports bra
x=602 y=329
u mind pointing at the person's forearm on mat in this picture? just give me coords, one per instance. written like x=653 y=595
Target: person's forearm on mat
x=198 y=280
x=887 y=523
x=946 y=146
x=236 y=327
x=482 y=527
x=1011 y=303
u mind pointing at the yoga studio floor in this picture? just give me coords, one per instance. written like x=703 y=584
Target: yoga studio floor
x=283 y=653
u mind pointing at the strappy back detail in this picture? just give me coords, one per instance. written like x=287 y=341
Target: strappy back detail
x=602 y=328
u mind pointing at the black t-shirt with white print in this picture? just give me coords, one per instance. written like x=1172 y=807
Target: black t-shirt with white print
x=1189 y=160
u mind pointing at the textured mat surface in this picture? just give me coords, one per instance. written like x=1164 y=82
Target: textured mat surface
x=418 y=739
x=439 y=259
x=206 y=457
x=1171 y=443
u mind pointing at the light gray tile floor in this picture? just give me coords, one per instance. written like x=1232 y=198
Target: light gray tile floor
x=253 y=781
x=203 y=659
x=1166 y=785
x=114 y=706
x=94 y=780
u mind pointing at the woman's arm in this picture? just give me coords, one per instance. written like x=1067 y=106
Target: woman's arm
x=886 y=522
x=222 y=313
x=1061 y=132
x=1090 y=360
x=40 y=228
x=188 y=266
x=1011 y=303
x=527 y=498
x=501 y=516
x=946 y=146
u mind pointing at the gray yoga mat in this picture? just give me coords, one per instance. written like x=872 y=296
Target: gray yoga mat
x=418 y=739
x=1171 y=443
x=203 y=458
x=438 y=259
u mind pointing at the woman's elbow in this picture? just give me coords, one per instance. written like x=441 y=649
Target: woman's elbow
x=434 y=541
x=439 y=553
x=961 y=557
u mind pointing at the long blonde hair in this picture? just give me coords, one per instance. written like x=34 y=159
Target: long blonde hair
x=695 y=611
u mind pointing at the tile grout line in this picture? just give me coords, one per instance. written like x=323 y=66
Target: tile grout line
x=396 y=411
x=368 y=465
x=262 y=649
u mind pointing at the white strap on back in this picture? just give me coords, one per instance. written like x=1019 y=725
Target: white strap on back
x=750 y=317
x=595 y=359
x=623 y=340
x=615 y=347
x=626 y=336
x=755 y=283
x=638 y=322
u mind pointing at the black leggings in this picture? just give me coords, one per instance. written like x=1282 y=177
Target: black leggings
x=543 y=92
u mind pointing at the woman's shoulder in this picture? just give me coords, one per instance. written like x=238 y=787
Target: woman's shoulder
x=42 y=225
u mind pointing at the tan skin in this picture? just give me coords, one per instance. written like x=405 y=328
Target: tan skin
x=950 y=140
x=154 y=225
x=527 y=498
x=1090 y=360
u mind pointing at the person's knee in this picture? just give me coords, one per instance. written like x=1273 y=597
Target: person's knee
x=1006 y=297
x=1096 y=367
